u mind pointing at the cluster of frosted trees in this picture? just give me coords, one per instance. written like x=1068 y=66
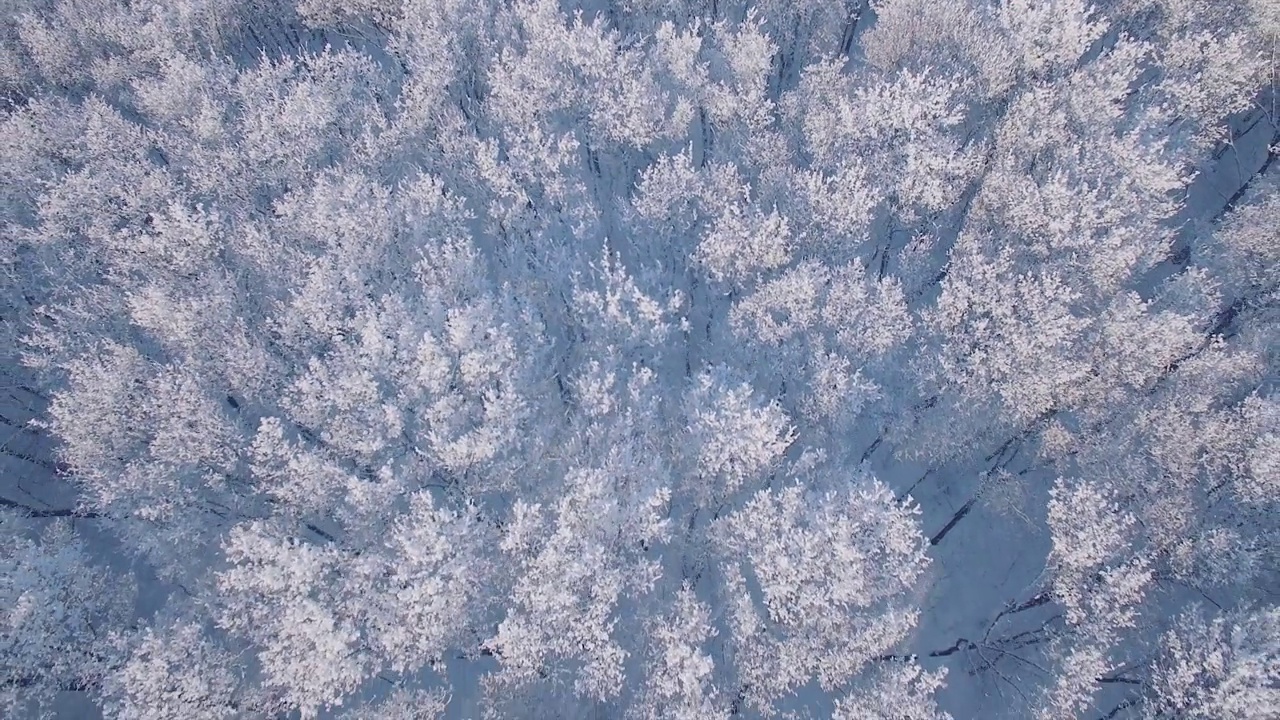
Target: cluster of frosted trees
x=640 y=359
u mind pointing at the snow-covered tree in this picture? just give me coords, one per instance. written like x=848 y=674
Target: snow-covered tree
x=639 y=358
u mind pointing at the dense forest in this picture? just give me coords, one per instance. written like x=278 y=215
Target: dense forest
x=640 y=359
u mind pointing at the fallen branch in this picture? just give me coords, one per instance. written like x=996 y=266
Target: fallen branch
x=57 y=513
